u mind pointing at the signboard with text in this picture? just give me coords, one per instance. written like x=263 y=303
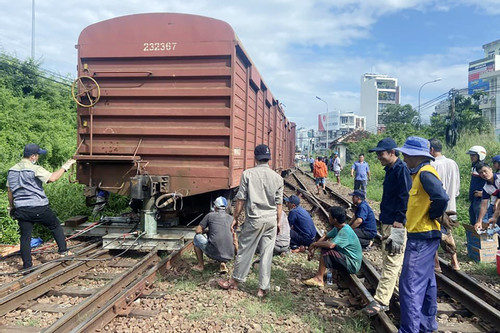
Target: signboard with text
x=333 y=121
x=475 y=71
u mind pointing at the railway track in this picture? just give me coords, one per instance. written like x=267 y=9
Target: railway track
x=464 y=295
x=381 y=321
x=81 y=293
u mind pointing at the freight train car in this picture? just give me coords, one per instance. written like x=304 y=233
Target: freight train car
x=171 y=104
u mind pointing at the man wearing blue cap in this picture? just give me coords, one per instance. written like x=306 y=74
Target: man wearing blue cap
x=427 y=202
x=302 y=229
x=219 y=243
x=397 y=184
x=363 y=222
x=28 y=203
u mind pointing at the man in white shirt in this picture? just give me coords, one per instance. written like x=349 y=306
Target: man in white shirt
x=337 y=167
x=450 y=177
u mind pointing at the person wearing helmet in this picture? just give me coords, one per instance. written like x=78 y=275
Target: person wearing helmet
x=495 y=160
x=477 y=154
x=219 y=243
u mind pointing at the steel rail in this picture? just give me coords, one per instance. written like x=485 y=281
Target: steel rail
x=472 y=285
x=478 y=299
x=382 y=322
x=48 y=269
x=473 y=303
x=40 y=287
x=121 y=304
x=86 y=309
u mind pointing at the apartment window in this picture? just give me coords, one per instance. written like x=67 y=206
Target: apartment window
x=386 y=85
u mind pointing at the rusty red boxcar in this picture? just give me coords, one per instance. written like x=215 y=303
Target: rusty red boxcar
x=174 y=96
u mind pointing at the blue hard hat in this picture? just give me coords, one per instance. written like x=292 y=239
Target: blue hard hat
x=220 y=202
x=496 y=159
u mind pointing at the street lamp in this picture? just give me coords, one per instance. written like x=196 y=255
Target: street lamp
x=419 y=90
x=326 y=121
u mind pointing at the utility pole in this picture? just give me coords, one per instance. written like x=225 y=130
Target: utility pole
x=32 y=29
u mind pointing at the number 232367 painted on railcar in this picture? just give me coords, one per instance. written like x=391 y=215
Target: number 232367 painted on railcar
x=157 y=46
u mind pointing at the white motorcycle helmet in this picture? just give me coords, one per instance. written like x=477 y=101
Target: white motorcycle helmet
x=220 y=203
x=477 y=150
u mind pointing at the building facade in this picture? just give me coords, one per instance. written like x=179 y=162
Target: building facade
x=377 y=92
x=306 y=142
x=484 y=75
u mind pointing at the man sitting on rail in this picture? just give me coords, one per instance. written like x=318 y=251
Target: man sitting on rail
x=219 y=244
x=320 y=173
x=302 y=229
x=363 y=222
x=342 y=253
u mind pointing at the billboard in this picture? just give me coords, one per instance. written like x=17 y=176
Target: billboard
x=333 y=121
x=475 y=71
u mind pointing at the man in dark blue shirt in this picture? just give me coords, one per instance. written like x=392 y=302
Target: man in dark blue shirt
x=477 y=154
x=363 y=222
x=302 y=229
x=396 y=188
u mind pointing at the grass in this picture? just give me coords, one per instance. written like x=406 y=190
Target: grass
x=28 y=322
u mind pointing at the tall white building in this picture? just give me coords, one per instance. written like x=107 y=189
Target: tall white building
x=377 y=91
x=305 y=140
x=484 y=76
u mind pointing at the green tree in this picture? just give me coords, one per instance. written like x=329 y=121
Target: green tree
x=467 y=117
x=399 y=115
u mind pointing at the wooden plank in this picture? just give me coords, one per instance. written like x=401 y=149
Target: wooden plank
x=156 y=294
x=122 y=263
x=75 y=221
x=73 y=292
x=52 y=308
x=141 y=313
x=335 y=301
x=458 y=327
x=450 y=310
x=100 y=276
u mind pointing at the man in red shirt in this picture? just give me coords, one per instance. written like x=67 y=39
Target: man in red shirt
x=320 y=172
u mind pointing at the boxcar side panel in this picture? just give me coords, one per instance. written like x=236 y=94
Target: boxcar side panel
x=178 y=97
x=165 y=99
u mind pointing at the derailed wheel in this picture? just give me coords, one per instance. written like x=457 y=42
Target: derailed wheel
x=85 y=91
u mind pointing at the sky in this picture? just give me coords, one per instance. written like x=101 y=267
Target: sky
x=302 y=49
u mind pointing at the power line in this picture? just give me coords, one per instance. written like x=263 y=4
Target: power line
x=37 y=71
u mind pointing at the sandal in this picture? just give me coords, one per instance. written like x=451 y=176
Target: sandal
x=197 y=268
x=226 y=285
x=374 y=308
x=262 y=293
x=312 y=282
x=223 y=268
